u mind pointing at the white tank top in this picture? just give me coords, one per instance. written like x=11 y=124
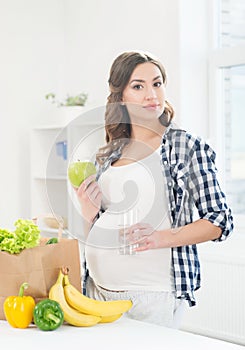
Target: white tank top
x=137 y=187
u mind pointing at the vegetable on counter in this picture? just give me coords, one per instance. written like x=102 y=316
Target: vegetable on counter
x=48 y=315
x=26 y=235
x=18 y=310
x=52 y=240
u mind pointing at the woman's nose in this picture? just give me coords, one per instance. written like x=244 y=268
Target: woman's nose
x=150 y=93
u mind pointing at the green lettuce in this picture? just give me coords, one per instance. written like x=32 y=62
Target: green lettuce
x=26 y=235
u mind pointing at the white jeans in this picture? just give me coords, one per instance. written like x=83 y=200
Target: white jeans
x=161 y=308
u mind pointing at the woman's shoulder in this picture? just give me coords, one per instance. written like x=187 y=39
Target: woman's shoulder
x=186 y=143
x=178 y=135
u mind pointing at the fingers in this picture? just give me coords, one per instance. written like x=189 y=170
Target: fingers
x=85 y=185
x=141 y=248
x=140 y=234
x=144 y=244
x=93 y=192
x=89 y=190
x=142 y=229
x=87 y=182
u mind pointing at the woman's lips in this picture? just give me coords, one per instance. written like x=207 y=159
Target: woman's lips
x=152 y=106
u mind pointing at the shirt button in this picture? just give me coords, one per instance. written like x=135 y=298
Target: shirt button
x=170 y=184
x=165 y=162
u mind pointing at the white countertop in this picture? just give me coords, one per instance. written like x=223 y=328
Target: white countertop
x=123 y=334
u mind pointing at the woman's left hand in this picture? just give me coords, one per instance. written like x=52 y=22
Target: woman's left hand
x=196 y=232
x=147 y=237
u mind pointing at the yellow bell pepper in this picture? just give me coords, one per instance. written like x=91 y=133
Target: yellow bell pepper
x=18 y=310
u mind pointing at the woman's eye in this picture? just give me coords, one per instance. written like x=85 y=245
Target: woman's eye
x=137 y=87
x=157 y=83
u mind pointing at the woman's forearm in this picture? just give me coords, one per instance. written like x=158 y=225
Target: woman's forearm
x=197 y=232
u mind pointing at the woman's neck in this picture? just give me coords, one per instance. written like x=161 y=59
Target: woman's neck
x=147 y=133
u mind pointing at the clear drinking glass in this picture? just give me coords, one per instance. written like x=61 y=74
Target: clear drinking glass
x=128 y=218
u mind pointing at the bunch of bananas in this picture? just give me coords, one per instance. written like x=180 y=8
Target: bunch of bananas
x=82 y=311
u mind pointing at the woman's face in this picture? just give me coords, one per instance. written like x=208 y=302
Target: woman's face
x=144 y=95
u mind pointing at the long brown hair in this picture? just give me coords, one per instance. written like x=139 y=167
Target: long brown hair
x=117 y=121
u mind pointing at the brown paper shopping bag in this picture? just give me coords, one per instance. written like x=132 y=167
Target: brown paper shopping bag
x=39 y=267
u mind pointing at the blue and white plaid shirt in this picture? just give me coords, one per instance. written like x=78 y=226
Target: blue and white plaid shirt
x=189 y=172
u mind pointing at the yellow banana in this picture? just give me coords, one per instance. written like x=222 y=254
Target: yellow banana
x=109 y=319
x=91 y=306
x=71 y=315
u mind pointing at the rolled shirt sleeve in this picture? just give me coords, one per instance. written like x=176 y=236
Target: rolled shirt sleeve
x=207 y=194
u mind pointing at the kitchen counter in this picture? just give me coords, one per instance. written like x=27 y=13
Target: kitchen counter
x=123 y=334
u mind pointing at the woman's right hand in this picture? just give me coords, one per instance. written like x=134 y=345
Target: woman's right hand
x=89 y=196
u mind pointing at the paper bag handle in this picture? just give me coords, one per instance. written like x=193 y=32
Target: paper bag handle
x=59 y=219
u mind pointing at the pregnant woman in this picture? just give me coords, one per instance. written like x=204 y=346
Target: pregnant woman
x=151 y=174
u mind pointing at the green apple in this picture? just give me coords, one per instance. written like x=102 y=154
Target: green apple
x=79 y=171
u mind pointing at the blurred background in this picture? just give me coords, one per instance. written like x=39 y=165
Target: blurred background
x=67 y=47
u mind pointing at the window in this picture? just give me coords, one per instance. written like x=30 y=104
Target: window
x=234 y=112
x=231 y=23
x=227 y=100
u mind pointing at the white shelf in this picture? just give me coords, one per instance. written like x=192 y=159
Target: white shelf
x=48 y=127
x=52 y=178
x=49 y=187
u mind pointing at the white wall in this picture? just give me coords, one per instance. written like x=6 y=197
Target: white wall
x=68 y=47
x=194 y=46
x=97 y=31
x=32 y=46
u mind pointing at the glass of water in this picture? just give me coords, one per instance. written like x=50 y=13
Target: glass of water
x=128 y=219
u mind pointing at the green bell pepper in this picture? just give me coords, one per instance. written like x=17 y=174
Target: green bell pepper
x=52 y=240
x=48 y=315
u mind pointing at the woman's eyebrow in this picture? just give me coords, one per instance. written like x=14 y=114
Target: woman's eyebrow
x=143 y=81
x=137 y=80
x=158 y=77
